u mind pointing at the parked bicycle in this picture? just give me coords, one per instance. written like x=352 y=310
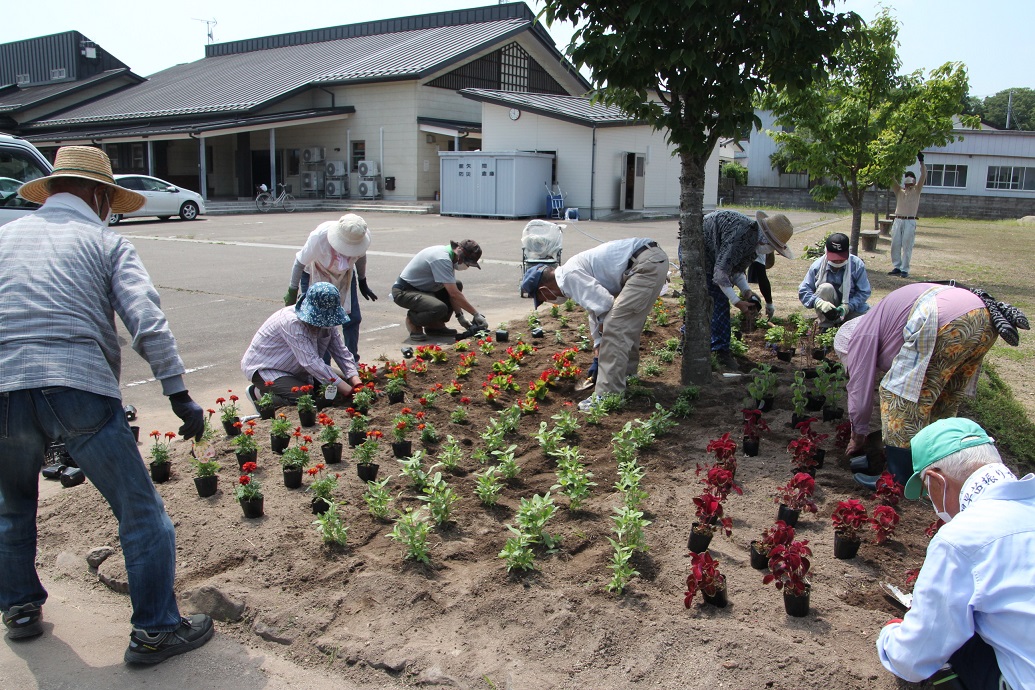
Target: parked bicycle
x=264 y=201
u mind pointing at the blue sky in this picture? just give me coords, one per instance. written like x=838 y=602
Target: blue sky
x=991 y=38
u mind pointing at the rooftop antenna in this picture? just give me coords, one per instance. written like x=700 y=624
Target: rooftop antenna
x=209 y=23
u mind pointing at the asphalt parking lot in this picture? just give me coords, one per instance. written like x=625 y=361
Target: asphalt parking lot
x=220 y=277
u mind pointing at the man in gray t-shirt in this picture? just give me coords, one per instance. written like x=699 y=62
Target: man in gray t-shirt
x=427 y=288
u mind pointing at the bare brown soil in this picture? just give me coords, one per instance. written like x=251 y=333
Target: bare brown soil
x=379 y=621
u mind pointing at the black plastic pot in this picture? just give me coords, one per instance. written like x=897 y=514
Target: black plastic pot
x=819 y=352
x=845 y=549
x=252 y=508
x=206 y=486
x=751 y=444
x=831 y=413
x=250 y=456
x=502 y=336
x=788 y=515
x=785 y=355
x=367 y=471
x=698 y=541
x=814 y=403
x=797 y=605
x=230 y=429
x=267 y=412
x=293 y=478
x=278 y=444
x=307 y=417
x=759 y=560
x=356 y=438
x=402 y=449
x=160 y=472
x=819 y=455
x=136 y=433
x=331 y=453
x=765 y=404
x=719 y=599
x=319 y=506
x=396 y=397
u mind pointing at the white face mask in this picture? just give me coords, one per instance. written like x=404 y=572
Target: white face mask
x=942 y=515
x=836 y=264
x=461 y=266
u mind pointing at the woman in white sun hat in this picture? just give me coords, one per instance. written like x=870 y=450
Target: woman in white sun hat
x=336 y=253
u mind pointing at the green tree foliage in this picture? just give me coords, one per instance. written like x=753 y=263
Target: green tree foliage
x=735 y=170
x=865 y=124
x=694 y=68
x=992 y=109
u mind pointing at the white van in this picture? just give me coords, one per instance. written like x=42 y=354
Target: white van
x=19 y=163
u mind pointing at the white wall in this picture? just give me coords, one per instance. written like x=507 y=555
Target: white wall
x=760 y=171
x=573 y=144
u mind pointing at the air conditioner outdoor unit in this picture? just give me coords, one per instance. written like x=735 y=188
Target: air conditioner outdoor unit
x=312 y=181
x=368 y=188
x=333 y=188
x=335 y=168
x=368 y=168
x=313 y=154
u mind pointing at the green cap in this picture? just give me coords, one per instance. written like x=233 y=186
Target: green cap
x=939 y=440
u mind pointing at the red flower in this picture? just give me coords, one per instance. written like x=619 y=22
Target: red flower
x=220 y=401
x=465 y=400
x=244 y=480
x=401 y=426
x=238 y=425
x=234 y=398
x=421 y=414
x=268 y=384
x=312 y=471
x=307 y=438
x=405 y=410
x=421 y=426
x=251 y=423
x=249 y=467
x=170 y=435
x=210 y=411
x=249 y=431
x=294 y=389
x=156 y=433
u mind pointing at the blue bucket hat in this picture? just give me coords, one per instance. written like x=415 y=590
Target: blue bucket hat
x=530 y=283
x=322 y=307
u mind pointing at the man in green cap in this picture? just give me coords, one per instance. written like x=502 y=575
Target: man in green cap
x=973 y=604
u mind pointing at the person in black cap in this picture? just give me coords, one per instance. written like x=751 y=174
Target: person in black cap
x=428 y=289
x=836 y=284
x=617 y=284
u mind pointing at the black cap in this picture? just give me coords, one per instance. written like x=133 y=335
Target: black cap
x=837 y=247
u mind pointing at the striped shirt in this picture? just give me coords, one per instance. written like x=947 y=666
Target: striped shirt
x=63 y=278
x=731 y=242
x=286 y=346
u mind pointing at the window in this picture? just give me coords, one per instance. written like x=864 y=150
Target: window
x=939 y=175
x=152 y=185
x=294 y=156
x=22 y=79
x=134 y=183
x=57 y=73
x=17 y=167
x=137 y=151
x=359 y=153
x=1010 y=177
x=113 y=155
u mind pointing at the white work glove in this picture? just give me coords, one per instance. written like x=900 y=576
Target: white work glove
x=479 y=321
x=824 y=306
x=462 y=320
x=770 y=310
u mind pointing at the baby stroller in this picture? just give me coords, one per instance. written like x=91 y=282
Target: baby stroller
x=541 y=243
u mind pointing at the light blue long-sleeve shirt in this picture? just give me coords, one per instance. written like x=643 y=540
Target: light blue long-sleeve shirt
x=63 y=278
x=978 y=577
x=860 y=292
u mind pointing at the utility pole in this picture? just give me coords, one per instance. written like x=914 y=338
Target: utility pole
x=209 y=24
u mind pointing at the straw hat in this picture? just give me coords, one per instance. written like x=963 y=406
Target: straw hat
x=778 y=230
x=88 y=163
x=350 y=237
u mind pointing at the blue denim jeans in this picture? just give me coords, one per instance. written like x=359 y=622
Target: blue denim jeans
x=97 y=436
x=349 y=331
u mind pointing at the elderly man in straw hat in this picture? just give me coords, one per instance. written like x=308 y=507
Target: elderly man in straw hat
x=973 y=604
x=63 y=277
x=732 y=241
x=290 y=350
x=336 y=253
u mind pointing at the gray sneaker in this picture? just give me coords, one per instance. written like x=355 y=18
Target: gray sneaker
x=154 y=648
x=23 y=621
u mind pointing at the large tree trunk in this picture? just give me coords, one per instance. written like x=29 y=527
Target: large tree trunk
x=697 y=322
x=855 y=197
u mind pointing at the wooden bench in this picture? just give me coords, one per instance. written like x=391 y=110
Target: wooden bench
x=868 y=240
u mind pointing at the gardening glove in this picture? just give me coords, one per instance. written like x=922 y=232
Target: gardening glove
x=920 y=157
x=462 y=320
x=842 y=311
x=825 y=306
x=480 y=322
x=191 y=413
x=366 y=291
x=591 y=373
x=291 y=297
x=770 y=310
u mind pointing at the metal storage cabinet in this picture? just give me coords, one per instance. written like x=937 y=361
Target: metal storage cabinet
x=504 y=184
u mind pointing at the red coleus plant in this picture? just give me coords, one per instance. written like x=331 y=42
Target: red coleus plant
x=719 y=481
x=789 y=567
x=885 y=520
x=797 y=493
x=932 y=529
x=709 y=515
x=889 y=492
x=754 y=425
x=704 y=576
x=803 y=453
x=779 y=533
x=848 y=518
x=724 y=449
x=843 y=434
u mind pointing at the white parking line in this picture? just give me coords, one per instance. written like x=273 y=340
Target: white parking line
x=131 y=384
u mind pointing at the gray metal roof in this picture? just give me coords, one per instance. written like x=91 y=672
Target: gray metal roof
x=577 y=109
x=17 y=98
x=241 y=82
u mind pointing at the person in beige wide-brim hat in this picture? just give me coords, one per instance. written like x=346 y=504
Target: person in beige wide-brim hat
x=86 y=163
